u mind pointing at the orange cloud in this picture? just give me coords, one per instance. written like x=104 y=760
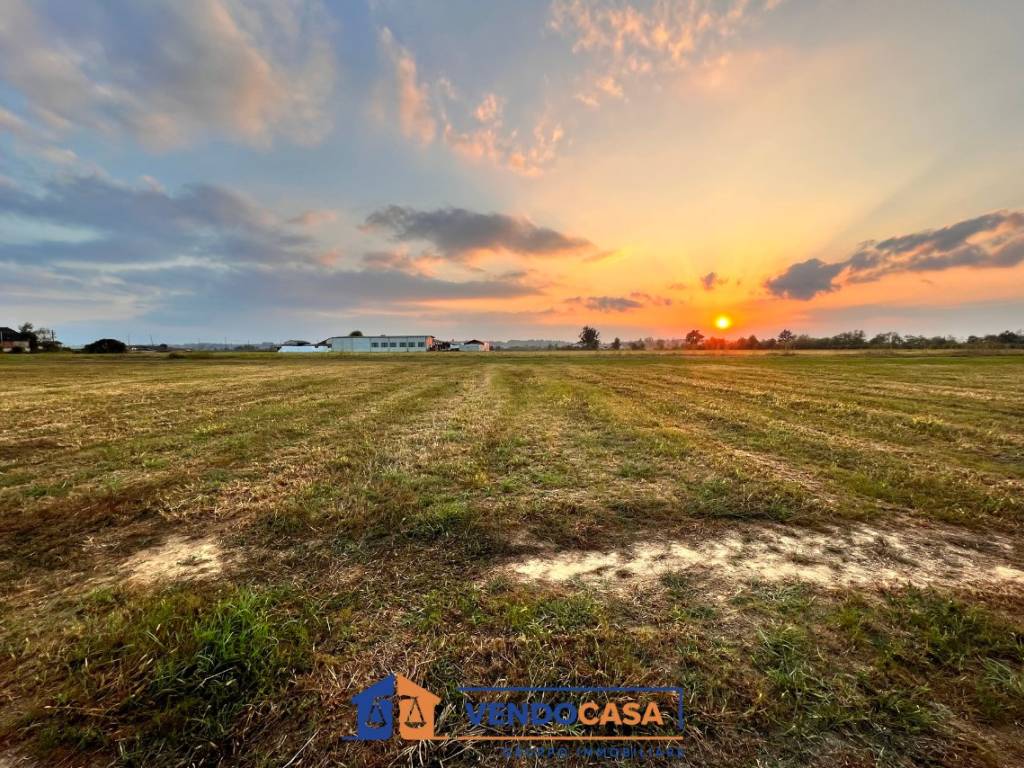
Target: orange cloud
x=415 y=115
x=313 y=218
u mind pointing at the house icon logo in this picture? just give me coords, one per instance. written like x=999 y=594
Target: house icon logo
x=376 y=705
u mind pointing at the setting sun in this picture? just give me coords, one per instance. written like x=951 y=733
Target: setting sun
x=723 y=322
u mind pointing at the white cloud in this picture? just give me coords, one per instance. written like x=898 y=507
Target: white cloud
x=170 y=72
x=13 y=124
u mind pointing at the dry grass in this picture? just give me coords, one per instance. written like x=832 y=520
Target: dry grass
x=299 y=527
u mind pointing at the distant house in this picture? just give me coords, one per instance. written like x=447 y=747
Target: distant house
x=11 y=339
x=475 y=345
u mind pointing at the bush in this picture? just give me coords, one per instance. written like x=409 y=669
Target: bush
x=105 y=346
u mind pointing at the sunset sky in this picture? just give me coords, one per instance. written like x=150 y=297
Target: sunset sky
x=267 y=170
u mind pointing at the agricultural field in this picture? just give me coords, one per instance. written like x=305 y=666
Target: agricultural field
x=202 y=559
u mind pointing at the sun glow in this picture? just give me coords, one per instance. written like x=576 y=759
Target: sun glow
x=723 y=322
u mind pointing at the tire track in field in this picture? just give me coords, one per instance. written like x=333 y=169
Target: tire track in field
x=838 y=399
x=707 y=457
x=718 y=412
x=166 y=493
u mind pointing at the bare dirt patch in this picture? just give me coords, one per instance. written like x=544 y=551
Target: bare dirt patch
x=176 y=559
x=860 y=555
x=12 y=760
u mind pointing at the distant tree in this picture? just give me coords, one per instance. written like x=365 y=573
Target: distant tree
x=590 y=338
x=694 y=338
x=105 y=346
x=890 y=339
x=616 y=343
x=786 y=338
x=849 y=340
x=33 y=340
x=356 y=333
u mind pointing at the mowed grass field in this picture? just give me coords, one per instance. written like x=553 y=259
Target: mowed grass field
x=202 y=559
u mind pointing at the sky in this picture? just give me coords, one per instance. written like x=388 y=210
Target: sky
x=201 y=170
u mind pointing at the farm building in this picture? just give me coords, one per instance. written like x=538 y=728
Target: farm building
x=303 y=348
x=475 y=345
x=380 y=343
x=11 y=339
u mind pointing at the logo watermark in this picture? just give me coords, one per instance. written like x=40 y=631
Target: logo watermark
x=601 y=722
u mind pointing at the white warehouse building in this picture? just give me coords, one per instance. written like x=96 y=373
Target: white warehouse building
x=380 y=343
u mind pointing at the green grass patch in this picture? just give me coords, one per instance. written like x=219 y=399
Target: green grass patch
x=737 y=496
x=971 y=655
x=173 y=673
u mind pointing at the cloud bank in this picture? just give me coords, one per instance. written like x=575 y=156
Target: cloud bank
x=200 y=253
x=991 y=241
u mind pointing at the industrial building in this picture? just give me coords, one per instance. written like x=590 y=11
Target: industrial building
x=380 y=343
x=386 y=343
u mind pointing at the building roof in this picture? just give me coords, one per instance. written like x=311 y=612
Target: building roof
x=9 y=334
x=385 y=336
x=474 y=341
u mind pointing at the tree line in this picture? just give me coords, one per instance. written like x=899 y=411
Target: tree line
x=590 y=338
